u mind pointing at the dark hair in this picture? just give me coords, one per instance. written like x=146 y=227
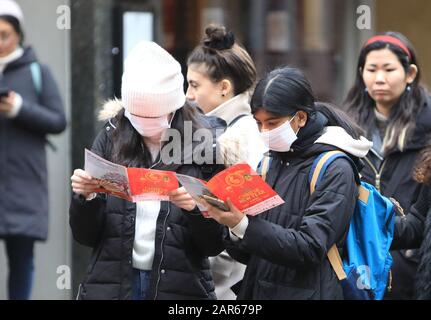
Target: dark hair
x=128 y=149
x=14 y=22
x=285 y=91
x=224 y=58
x=422 y=170
x=403 y=114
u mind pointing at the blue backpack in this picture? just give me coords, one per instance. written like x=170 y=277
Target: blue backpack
x=365 y=269
x=36 y=75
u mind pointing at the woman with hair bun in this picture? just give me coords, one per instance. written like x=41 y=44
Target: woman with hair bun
x=221 y=75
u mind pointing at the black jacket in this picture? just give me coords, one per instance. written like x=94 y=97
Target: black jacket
x=423 y=275
x=410 y=226
x=183 y=241
x=394 y=179
x=393 y=176
x=413 y=230
x=285 y=248
x=23 y=171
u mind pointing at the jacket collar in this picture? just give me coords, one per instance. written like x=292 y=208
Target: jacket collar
x=15 y=55
x=27 y=57
x=232 y=108
x=314 y=140
x=419 y=139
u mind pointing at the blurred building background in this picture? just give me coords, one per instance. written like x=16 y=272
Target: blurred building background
x=320 y=36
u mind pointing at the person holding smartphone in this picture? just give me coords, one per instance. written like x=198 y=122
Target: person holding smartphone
x=221 y=75
x=30 y=108
x=285 y=248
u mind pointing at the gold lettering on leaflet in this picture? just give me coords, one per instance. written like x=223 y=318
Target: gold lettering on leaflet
x=251 y=195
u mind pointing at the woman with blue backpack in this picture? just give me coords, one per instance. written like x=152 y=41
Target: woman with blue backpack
x=388 y=102
x=285 y=248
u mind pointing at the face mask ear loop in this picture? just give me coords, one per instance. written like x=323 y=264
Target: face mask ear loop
x=296 y=134
x=172 y=118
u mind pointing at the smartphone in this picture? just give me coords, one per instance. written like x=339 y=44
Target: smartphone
x=216 y=202
x=4 y=92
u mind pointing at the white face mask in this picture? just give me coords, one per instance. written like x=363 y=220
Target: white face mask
x=280 y=139
x=148 y=127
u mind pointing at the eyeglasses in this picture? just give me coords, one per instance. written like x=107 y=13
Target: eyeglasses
x=5 y=36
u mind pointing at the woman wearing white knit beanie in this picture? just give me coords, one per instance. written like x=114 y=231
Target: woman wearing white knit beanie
x=154 y=249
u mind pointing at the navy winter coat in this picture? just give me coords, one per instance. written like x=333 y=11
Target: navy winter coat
x=23 y=172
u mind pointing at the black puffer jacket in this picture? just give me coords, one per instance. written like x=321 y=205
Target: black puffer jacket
x=409 y=226
x=423 y=275
x=285 y=248
x=413 y=231
x=183 y=241
x=393 y=177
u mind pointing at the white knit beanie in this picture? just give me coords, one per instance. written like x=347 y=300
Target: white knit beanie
x=11 y=8
x=152 y=83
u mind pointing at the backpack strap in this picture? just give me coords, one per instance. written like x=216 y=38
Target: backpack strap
x=236 y=120
x=36 y=75
x=263 y=167
x=323 y=161
x=317 y=171
x=336 y=262
x=319 y=167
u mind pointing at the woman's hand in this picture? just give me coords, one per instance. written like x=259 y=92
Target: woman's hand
x=7 y=103
x=229 y=218
x=182 y=199
x=83 y=183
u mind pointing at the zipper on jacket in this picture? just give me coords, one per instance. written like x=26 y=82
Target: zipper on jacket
x=164 y=225
x=161 y=248
x=378 y=173
x=389 y=288
x=79 y=291
x=160 y=155
x=378 y=182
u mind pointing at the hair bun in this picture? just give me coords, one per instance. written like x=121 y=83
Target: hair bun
x=217 y=38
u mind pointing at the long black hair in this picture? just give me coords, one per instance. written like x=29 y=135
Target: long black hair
x=128 y=148
x=285 y=91
x=403 y=114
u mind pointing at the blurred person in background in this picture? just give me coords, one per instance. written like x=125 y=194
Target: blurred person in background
x=30 y=108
